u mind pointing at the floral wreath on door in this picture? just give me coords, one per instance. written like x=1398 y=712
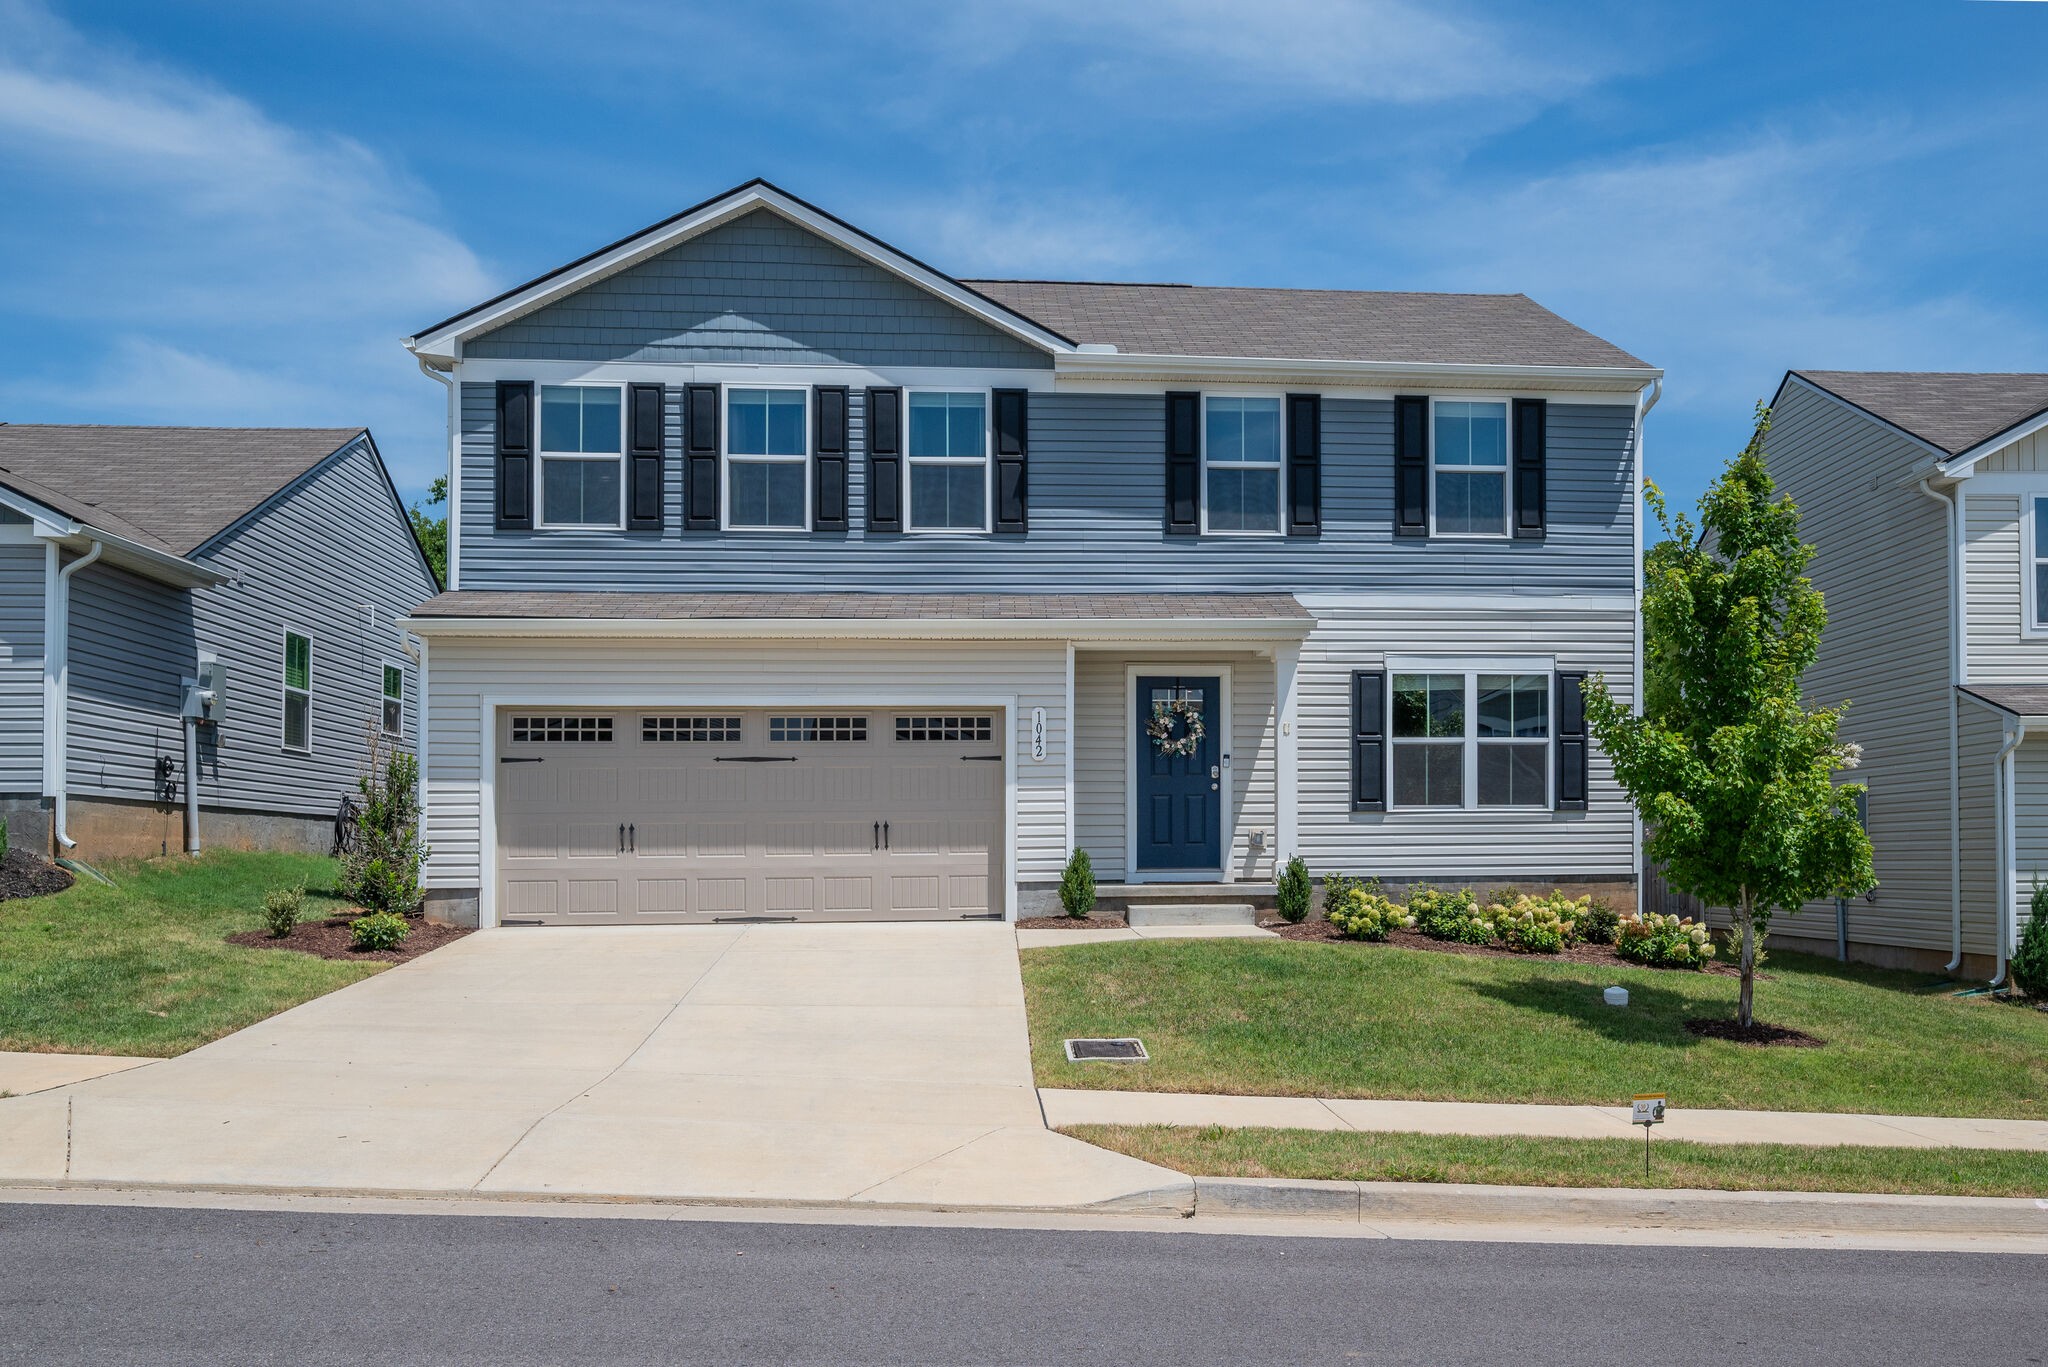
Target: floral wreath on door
x=1177 y=726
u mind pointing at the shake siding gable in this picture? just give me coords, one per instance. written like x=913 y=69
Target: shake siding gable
x=21 y=670
x=1097 y=525
x=757 y=290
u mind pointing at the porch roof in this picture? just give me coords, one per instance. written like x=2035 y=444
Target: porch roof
x=2020 y=699
x=936 y=616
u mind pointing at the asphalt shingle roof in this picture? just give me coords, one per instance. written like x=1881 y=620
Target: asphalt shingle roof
x=170 y=488
x=678 y=607
x=1954 y=410
x=1307 y=325
x=2022 y=699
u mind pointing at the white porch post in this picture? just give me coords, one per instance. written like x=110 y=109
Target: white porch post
x=1287 y=779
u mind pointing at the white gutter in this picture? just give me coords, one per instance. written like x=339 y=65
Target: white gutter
x=2008 y=853
x=1955 y=760
x=60 y=731
x=454 y=542
x=1172 y=629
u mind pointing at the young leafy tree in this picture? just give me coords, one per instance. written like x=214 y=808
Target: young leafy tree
x=1732 y=774
x=432 y=532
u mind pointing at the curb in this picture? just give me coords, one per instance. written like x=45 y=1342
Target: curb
x=1766 y=1211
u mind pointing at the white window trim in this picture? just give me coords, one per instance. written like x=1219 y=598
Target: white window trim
x=1279 y=527
x=2032 y=628
x=1470 y=669
x=988 y=464
x=285 y=690
x=542 y=456
x=383 y=697
x=727 y=457
x=1507 y=469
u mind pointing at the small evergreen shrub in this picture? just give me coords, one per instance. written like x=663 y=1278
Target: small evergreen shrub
x=2029 y=963
x=281 y=908
x=382 y=871
x=378 y=930
x=3 y=839
x=1291 y=897
x=1597 y=925
x=1363 y=915
x=1664 y=941
x=1449 y=915
x=1077 y=885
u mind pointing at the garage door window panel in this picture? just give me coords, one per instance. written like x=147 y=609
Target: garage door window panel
x=807 y=730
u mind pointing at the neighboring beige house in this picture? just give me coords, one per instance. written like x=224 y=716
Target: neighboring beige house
x=1926 y=496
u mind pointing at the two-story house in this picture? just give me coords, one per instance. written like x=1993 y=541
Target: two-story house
x=792 y=578
x=1926 y=499
x=198 y=634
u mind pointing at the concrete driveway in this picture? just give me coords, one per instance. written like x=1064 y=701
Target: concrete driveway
x=884 y=1064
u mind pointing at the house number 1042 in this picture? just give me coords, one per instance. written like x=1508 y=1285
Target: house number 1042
x=1038 y=733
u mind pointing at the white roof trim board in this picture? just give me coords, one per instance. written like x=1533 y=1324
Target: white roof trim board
x=443 y=342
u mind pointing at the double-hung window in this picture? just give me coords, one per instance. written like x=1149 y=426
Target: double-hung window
x=394 y=700
x=2038 y=569
x=298 y=691
x=948 y=462
x=767 y=459
x=1469 y=467
x=1241 y=465
x=1471 y=738
x=581 y=455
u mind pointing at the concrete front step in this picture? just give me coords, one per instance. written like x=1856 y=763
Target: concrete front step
x=1185 y=892
x=1145 y=914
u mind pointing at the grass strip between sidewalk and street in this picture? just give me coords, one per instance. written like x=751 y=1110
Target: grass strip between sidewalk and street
x=143 y=968
x=1287 y=1018
x=1523 y=1161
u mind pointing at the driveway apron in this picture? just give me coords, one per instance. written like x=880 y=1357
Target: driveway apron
x=883 y=1064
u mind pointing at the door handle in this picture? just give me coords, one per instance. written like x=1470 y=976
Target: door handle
x=878 y=835
x=622 y=837
x=885 y=835
x=632 y=838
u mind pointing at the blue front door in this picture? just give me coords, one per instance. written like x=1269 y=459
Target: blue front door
x=1180 y=786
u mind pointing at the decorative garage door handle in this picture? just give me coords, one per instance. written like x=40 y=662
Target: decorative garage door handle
x=756 y=759
x=632 y=838
x=522 y=759
x=622 y=837
x=996 y=759
x=885 y=835
x=878 y=835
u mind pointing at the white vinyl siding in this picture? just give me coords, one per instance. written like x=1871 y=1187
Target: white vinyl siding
x=21 y=668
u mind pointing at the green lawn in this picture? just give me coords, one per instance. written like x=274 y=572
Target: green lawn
x=1525 y=1162
x=141 y=968
x=1285 y=1018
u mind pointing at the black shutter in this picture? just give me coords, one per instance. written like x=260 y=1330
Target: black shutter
x=1411 y=466
x=885 y=460
x=700 y=458
x=644 y=405
x=1571 y=743
x=1304 y=464
x=515 y=454
x=828 y=458
x=1013 y=443
x=1183 y=464
x=1531 y=436
x=1368 y=740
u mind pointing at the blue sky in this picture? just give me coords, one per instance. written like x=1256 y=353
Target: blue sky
x=216 y=212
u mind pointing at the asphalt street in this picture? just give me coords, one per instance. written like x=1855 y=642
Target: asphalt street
x=101 y=1284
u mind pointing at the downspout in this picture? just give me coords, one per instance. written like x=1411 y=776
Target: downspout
x=1955 y=761
x=2008 y=800
x=454 y=467
x=61 y=732
x=1635 y=818
x=192 y=785
x=407 y=642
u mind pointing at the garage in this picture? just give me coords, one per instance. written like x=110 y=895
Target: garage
x=610 y=816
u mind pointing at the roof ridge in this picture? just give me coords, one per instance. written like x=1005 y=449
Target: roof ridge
x=172 y=427
x=1274 y=289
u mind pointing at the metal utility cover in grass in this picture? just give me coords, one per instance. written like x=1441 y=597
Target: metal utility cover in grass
x=1106 y=1051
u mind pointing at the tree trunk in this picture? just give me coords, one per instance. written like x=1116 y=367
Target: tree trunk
x=1746 y=916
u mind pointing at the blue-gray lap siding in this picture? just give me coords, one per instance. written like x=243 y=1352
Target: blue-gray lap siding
x=757 y=289
x=333 y=558
x=21 y=670
x=1097 y=480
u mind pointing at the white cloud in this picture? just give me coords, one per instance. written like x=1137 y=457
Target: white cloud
x=972 y=232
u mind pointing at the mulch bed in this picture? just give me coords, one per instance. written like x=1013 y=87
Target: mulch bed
x=25 y=875
x=1755 y=1033
x=1105 y=921
x=329 y=940
x=1315 y=928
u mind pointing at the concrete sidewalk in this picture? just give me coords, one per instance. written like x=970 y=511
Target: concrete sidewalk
x=877 y=1064
x=1063 y=938
x=1069 y=1107
x=21 y=1074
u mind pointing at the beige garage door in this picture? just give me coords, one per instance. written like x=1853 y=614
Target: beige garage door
x=679 y=814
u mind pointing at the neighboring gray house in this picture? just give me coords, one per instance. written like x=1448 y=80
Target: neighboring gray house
x=1926 y=498
x=792 y=578
x=170 y=593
